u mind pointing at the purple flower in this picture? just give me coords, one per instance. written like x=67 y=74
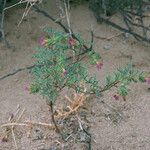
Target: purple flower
x=26 y=88
x=42 y=41
x=116 y=97
x=72 y=41
x=148 y=80
x=99 y=65
x=65 y=72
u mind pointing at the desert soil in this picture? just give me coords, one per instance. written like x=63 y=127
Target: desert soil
x=128 y=130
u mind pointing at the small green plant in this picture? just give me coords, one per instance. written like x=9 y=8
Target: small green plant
x=59 y=65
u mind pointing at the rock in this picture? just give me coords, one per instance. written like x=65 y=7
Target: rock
x=107 y=46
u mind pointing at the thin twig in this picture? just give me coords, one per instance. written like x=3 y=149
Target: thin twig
x=11 y=119
x=68 y=17
x=108 y=38
x=27 y=124
x=86 y=132
x=137 y=25
x=29 y=5
x=76 y=103
x=114 y=25
x=14 y=138
x=20 y=116
x=20 y=2
x=136 y=14
x=17 y=71
x=80 y=123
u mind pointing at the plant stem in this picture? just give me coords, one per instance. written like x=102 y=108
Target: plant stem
x=54 y=121
x=53 y=118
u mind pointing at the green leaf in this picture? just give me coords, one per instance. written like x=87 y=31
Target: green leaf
x=123 y=91
x=142 y=77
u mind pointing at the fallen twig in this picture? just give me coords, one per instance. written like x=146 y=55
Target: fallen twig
x=80 y=123
x=10 y=119
x=108 y=38
x=29 y=5
x=86 y=132
x=27 y=124
x=14 y=138
x=20 y=2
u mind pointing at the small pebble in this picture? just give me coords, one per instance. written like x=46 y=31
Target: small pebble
x=107 y=46
x=126 y=35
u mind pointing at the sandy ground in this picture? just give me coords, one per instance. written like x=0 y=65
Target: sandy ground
x=131 y=131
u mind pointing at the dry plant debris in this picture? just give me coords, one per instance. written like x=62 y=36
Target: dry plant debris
x=29 y=5
x=14 y=120
x=75 y=104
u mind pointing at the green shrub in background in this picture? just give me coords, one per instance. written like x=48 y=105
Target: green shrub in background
x=77 y=2
x=109 y=7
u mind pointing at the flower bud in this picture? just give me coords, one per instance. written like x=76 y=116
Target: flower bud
x=42 y=41
x=26 y=88
x=116 y=97
x=147 y=80
x=99 y=65
x=72 y=42
x=64 y=72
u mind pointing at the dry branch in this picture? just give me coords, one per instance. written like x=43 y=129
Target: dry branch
x=75 y=104
x=108 y=38
x=114 y=25
x=13 y=119
x=28 y=124
x=17 y=71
